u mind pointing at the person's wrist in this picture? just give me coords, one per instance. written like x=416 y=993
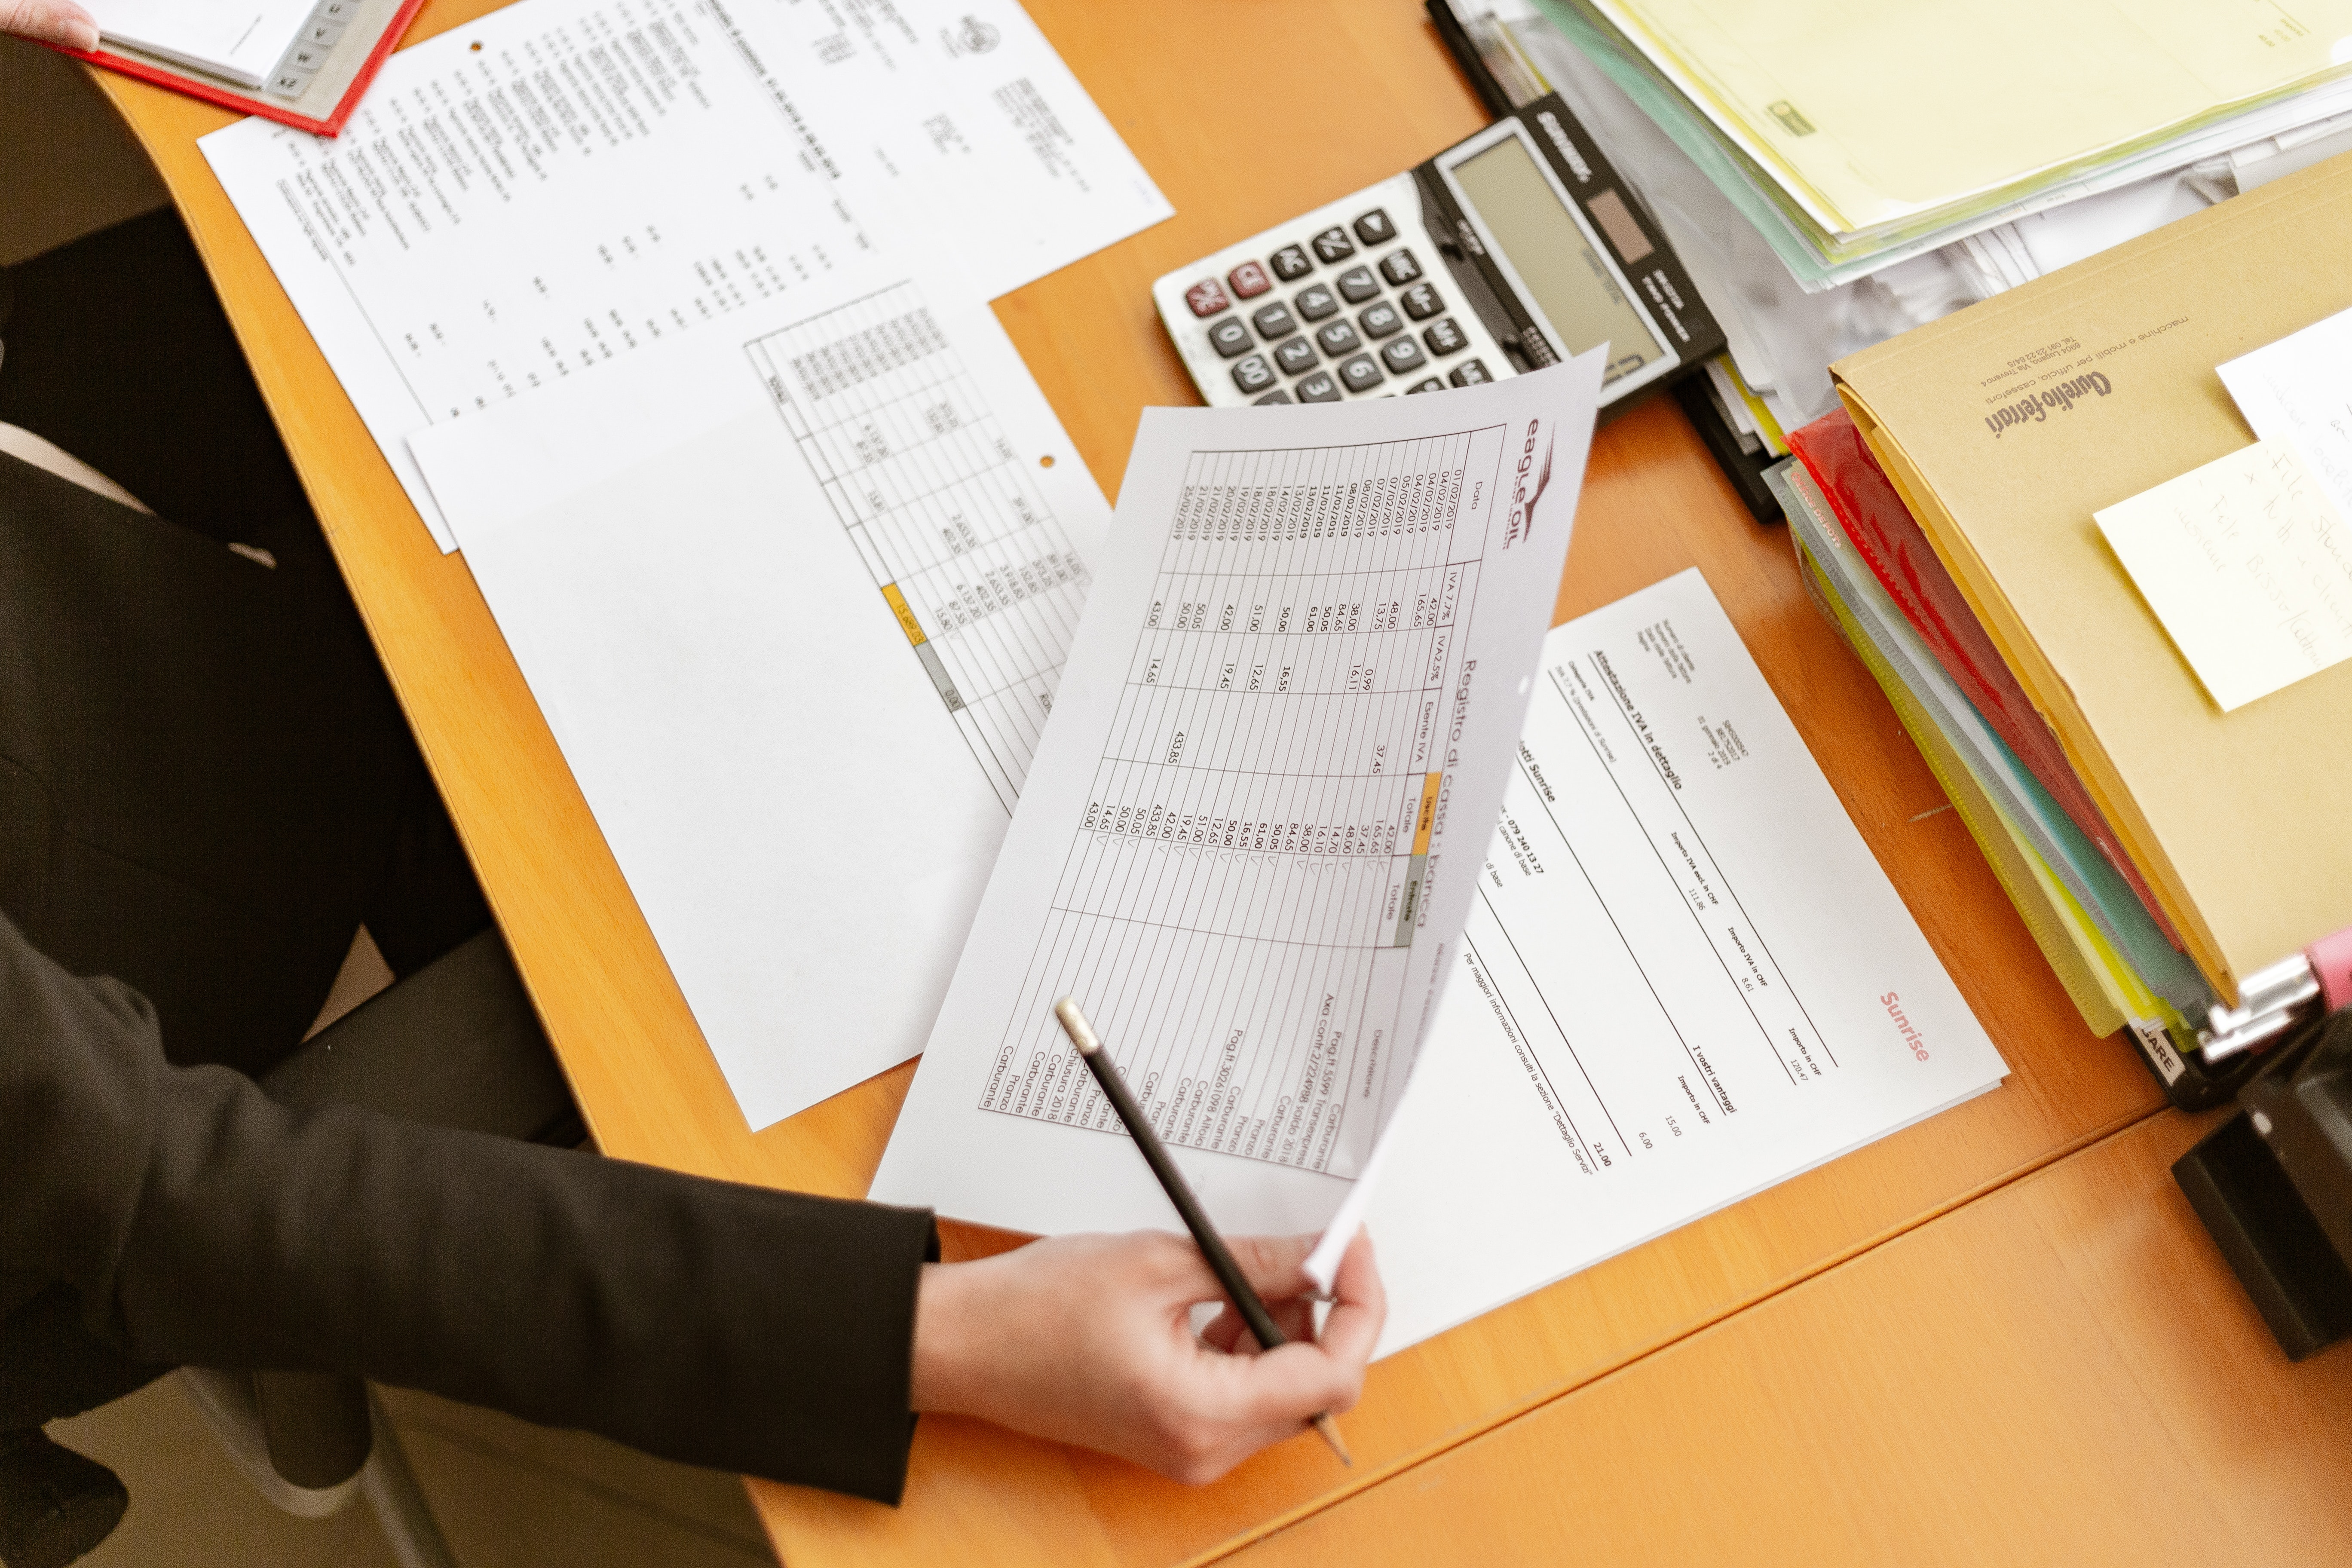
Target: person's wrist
x=932 y=1382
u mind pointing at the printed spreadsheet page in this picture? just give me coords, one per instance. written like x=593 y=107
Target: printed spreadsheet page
x=1250 y=837
x=549 y=193
x=794 y=600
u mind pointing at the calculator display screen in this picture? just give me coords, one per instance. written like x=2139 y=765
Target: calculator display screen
x=1552 y=258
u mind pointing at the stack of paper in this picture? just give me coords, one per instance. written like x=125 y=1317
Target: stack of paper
x=2100 y=556
x=1934 y=99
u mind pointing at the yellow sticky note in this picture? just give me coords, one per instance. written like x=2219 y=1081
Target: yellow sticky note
x=2248 y=564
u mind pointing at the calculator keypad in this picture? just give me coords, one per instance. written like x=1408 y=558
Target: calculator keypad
x=1338 y=338
x=1273 y=322
x=1333 y=244
x=1387 y=294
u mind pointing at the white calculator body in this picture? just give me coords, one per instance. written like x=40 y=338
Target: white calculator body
x=1512 y=249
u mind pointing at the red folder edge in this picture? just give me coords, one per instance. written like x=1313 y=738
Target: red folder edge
x=1878 y=525
x=330 y=126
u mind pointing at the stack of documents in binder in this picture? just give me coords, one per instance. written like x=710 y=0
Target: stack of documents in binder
x=2168 y=821
x=1833 y=175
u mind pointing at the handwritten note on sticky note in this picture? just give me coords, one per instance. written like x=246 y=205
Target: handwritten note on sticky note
x=2248 y=562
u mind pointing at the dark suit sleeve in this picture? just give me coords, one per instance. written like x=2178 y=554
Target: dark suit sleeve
x=203 y=1224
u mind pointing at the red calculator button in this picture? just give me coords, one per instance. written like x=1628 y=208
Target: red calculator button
x=1249 y=280
x=1205 y=298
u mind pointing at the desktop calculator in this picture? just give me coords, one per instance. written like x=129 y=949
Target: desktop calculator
x=1511 y=250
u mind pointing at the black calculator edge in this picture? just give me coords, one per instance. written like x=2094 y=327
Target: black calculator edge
x=1745 y=471
x=1456 y=39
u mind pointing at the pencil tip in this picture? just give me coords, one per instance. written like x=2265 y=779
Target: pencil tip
x=1330 y=1431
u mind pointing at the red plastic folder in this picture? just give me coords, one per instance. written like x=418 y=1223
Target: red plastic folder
x=1886 y=535
x=229 y=97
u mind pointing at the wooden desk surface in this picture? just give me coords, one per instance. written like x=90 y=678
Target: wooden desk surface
x=1789 y=1315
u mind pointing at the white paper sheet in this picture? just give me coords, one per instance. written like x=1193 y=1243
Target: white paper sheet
x=242 y=41
x=1251 y=836
x=2299 y=390
x=1685 y=979
x=543 y=194
x=702 y=571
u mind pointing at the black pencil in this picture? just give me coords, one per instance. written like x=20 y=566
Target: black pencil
x=1180 y=1193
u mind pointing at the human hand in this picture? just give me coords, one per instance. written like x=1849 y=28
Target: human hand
x=49 y=22
x=1088 y=1340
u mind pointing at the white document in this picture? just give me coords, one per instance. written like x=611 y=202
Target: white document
x=2248 y=562
x=1684 y=979
x=545 y=194
x=2299 y=390
x=794 y=598
x=1251 y=834
x=240 y=40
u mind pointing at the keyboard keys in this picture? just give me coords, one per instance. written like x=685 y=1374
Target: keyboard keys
x=1274 y=320
x=1374 y=227
x=1402 y=355
x=1357 y=285
x=1254 y=374
x=1421 y=302
x=1444 y=338
x=1314 y=303
x=1338 y=338
x=1319 y=388
x=1470 y=373
x=1229 y=337
x=1426 y=384
x=1277 y=395
x=1399 y=268
x=1296 y=356
x=1248 y=281
x=1333 y=244
x=1207 y=296
x=1361 y=375
x=1379 y=320
x=1290 y=263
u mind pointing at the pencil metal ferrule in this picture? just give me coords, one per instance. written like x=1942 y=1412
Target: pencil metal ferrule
x=1074 y=1024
